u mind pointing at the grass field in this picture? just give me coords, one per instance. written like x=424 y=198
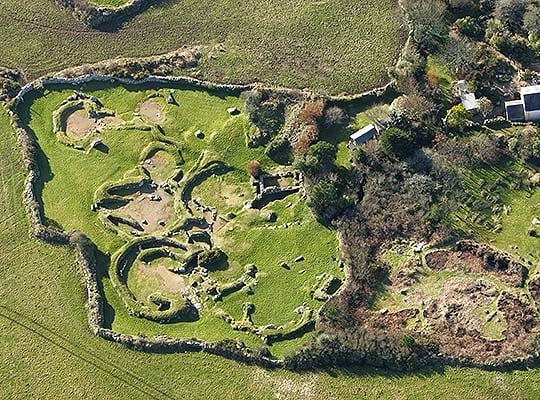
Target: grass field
x=46 y=350
x=334 y=46
x=493 y=189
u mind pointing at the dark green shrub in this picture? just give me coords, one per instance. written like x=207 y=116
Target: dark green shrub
x=469 y=26
x=397 y=143
x=280 y=150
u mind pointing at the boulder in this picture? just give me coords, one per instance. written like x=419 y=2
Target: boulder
x=233 y=110
x=272 y=217
x=199 y=134
x=96 y=143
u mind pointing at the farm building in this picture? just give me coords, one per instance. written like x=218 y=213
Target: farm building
x=527 y=108
x=364 y=134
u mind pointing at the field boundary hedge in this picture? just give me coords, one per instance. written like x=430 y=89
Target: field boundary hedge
x=95 y=15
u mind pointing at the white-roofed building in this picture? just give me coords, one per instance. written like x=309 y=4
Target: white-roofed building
x=364 y=134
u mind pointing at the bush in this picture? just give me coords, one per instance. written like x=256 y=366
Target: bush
x=308 y=136
x=397 y=143
x=254 y=168
x=469 y=26
x=510 y=11
x=429 y=21
x=326 y=200
x=320 y=158
x=458 y=118
x=266 y=114
x=334 y=117
x=531 y=20
x=323 y=153
x=432 y=79
x=280 y=150
x=312 y=111
x=459 y=54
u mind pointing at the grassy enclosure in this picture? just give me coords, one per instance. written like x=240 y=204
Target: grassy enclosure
x=339 y=46
x=74 y=179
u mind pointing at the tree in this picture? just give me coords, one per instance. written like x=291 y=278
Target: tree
x=312 y=111
x=326 y=200
x=254 y=168
x=531 y=20
x=460 y=54
x=486 y=149
x=428 y=19
x=510 y=11
x=334 y=117
x=414 y=106
x=397 y=143
x=323 y=153
x=485 y=106
x=458 y=118
x=320 y=158
x=469 y=26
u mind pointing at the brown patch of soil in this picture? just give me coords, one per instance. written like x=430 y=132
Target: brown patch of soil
x=522 y=327
x=471 y=257
x=79 y=125
x=151 y=110
x=170 y=282
x=142 y=208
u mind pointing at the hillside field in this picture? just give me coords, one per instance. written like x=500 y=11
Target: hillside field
x=334 y=46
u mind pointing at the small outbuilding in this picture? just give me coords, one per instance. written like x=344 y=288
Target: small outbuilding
x=363 y=135
x=530 y=95
x=468 y=99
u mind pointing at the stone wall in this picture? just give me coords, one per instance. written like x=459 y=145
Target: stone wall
x=94 y=16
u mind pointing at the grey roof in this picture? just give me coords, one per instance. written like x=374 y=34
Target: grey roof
x=531 y=102
x=514 y=110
